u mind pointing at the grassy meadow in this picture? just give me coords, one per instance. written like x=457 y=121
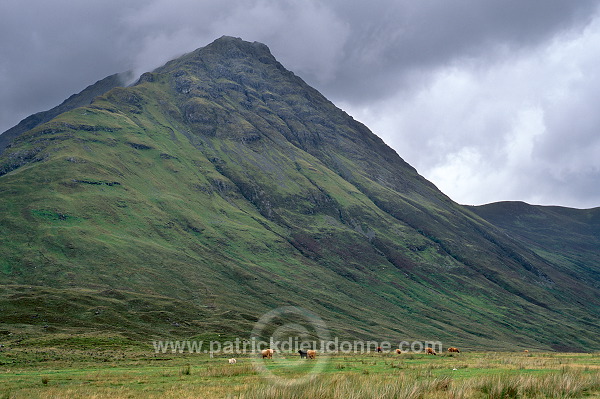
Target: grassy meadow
x=44 y=372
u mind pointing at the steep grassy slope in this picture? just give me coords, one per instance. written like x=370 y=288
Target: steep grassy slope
x=223 y=182
x=569 y=238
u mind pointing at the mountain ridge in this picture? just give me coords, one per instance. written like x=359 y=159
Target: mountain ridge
x=248 y=186
x=84 y=97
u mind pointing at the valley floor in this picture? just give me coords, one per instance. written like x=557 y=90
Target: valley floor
x=136 y=373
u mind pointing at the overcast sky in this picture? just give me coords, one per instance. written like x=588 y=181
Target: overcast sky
x=491 y=100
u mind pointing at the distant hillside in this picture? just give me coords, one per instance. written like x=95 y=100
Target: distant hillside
x=82 y=98
x=569 y=238
x=221 y=186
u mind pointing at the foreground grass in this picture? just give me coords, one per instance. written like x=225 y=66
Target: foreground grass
x=59 y=373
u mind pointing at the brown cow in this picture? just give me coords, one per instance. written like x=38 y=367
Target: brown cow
x=430 y=351
x=398 y=351
x=453 y=349
x=526 y=351
x=267 y=353
x=312 y=354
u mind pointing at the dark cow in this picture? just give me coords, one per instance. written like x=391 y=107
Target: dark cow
x=302 y=354
x=398 y=351
x=379 y=350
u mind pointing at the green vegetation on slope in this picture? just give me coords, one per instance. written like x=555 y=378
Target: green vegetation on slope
x=569 y=238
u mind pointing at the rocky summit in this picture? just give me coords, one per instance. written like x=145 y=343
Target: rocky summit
x=221 y=186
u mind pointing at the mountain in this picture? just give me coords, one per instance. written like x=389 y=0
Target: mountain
x=221 y=185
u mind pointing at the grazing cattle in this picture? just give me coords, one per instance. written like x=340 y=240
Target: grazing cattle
x=302 y=354
x=232 y=361
x=398 y=351
x=379 y=350
x=430 y=351
x=453 y=349
x=526 y=351
x=267 y=353
x=312 y=354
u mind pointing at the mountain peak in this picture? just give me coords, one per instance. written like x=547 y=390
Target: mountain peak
x=226 y=55
x=231 y=41
x=237 y=42
x=230 y=47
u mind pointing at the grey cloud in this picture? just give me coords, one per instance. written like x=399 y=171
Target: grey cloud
x=51 y=50
x=307 y=36
x=521 y=128
x=401 y=40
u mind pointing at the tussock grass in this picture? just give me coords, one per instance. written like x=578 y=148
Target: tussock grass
x=186 y=370
x=352 y=386
x=229 y=370
x=555 y=385
x=357 y=386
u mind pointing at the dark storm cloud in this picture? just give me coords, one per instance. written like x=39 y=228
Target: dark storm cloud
x=399 y=41
x=491 y=100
